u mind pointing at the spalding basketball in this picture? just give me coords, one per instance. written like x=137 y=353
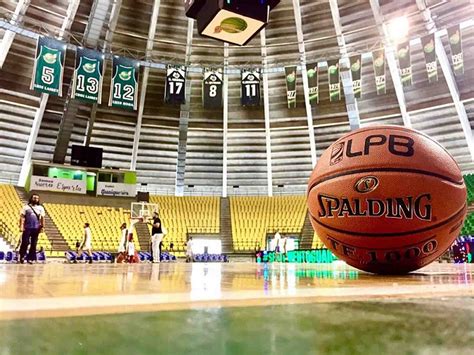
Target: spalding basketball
x=387 y=199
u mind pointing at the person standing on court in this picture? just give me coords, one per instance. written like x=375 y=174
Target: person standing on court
x=122 y=248
x=156 y=237
x=189 y=250
x=31 y=225
x=86 y=243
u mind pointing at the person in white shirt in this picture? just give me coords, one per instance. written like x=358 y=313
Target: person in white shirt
x=31 y=225
x=122 y=248
x=277 y=239
x=189 y=250
x=86 y=244
x=131 y=250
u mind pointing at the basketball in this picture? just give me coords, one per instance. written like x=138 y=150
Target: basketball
x=387 y=199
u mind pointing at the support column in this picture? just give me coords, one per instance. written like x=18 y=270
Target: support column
x=184 y=120
x=146 y=71
x=302 y=50
x=25 y=167
x=266 y=110
x=225 y=116
x=392 y=63
x=8 y=36
x=346 y=75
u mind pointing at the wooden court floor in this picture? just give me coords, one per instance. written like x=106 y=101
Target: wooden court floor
x=58 y=289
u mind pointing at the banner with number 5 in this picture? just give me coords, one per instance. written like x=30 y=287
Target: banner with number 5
x=48 y=68
x=124 y=87
x=88 y=76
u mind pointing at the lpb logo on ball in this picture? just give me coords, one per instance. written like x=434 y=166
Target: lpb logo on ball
x=337 y=153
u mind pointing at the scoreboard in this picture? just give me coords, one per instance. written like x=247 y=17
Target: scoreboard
x=232 y=21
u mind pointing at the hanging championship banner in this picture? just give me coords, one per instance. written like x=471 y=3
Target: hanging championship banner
x=88 y=75
x=313 y=73
x=334 y=80
x=175 y=86
x=378 y=58
x=250 y=88
x=290 y=73
x=455 y=41
x=212 y=88
x=124 y=86
x=404 y=61
x=356 y=66
x=48 y=68
x=428 y=44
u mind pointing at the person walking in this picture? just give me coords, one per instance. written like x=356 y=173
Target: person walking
x=86 y=244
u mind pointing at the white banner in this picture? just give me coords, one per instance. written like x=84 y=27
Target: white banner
x=44 y=183
x=116 y=189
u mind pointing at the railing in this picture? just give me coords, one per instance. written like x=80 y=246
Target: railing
x=217 y=191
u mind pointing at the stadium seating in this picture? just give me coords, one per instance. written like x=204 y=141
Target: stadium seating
x=9 y=218
x=99 y=256
x=469 y=180
x=210 y=258
x=104 y=222
x=187 y=215
x=468 y=228
x=255 y=216
x=317 y=243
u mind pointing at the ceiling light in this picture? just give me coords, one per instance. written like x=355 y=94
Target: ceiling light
x=398 y=29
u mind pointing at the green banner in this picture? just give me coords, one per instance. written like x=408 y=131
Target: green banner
x=313 y=83
x=404 y=60
x=455 y=41
x=428 y=44
x=356 y=69
x=48 y=68
x=88 y=75
x=334 y=80
x=124 y=86
x=378 y=58
x=290 y=73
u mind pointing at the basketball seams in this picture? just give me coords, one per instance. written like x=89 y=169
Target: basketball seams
x=398 y=170
x=387 y=235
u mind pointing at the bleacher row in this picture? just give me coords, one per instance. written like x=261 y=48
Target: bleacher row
x=184 y=215
x=252 y=217
x=105 y=224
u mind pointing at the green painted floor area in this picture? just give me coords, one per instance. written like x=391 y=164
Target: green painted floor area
x=428 y=326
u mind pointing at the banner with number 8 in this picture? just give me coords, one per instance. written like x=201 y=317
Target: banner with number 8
x=212 y=88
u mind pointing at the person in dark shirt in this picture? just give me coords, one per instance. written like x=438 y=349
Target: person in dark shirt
x=156 y=237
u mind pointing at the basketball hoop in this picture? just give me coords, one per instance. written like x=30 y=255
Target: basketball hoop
x=143 y=211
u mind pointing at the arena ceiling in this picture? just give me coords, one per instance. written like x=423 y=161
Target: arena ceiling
x=238 y=150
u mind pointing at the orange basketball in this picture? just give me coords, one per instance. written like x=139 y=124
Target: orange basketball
x=387 y=199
